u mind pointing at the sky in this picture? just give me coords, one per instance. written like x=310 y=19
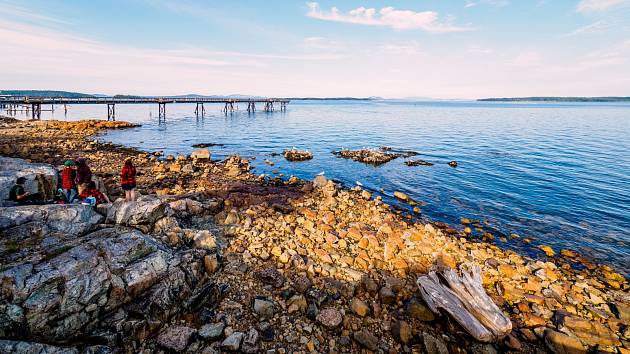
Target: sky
x=451 y=49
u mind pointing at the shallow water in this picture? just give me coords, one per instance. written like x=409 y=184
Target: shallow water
x=558 y=174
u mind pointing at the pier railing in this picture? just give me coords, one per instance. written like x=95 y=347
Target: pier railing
x=35 y=103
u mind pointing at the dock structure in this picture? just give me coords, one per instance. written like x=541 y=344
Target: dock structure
x=34 y=104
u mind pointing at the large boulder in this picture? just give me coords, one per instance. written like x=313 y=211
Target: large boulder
x=40 y=178
x=32 y=232
x=19 y=347
x=142 y=213
x=117 y=281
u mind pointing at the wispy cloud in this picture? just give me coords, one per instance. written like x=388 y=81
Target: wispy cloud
x=498 y=3
x=526 y=59
x=387 y=16
x=11 y=10
x=597 y=5
x=600 y=26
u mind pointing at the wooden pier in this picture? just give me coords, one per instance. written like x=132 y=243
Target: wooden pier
x=34 y=104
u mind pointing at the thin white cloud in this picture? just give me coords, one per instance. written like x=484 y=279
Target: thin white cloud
x=13 y=11
x=388 y=17
x=600 y=26
x=597 y=5
x=497 y=3
x=526 y=59
x=475 y=49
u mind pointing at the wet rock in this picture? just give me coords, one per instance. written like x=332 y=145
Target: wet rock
x=548 y=251
x=433 y=344
x=297 y=155
x=233 y=342
x=418 y=162
x=200 y=154
x=453 y=163
x=175 y=338
x=329 y=318
x=271 y=276
x=373 y=156
x=402 y=196
x=212 y=331
x=263 y=308
x=366 y=339
x=588 y=331
x=560 y=343
x=401 y=331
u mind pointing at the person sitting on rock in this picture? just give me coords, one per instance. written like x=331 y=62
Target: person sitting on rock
x=84 y=174
x=68 y=181
x=128 y=180
x=19 y=195
x=91 y=191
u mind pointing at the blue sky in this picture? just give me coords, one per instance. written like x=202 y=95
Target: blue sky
x=422 y=48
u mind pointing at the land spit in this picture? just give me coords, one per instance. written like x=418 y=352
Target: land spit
x=214 y=258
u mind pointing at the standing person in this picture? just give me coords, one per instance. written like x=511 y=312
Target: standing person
x=84 y=174
x=68 y=181
x=128 y=180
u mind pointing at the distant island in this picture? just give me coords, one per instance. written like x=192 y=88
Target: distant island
x=556 y=99
x=67 y=94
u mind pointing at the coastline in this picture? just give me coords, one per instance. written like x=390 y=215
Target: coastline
x=335 y=237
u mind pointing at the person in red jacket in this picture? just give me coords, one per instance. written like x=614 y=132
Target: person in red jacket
x=68 y=181
x=91 y=191
x=128 y=180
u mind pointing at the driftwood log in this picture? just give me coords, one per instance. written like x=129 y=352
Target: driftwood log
x=465 y=299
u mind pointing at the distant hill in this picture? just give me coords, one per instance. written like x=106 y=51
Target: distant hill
x=556 y=99
x=45 y=93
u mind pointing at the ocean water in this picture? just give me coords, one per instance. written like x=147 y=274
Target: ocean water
x=558 y=174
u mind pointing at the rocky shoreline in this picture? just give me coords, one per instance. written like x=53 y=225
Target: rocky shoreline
x=216 y=259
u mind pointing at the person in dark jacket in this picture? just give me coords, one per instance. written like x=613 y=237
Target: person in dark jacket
x=128 y=180
x=84 y=174
x=19 y=195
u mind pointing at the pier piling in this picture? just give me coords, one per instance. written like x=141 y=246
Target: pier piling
x=111 y=111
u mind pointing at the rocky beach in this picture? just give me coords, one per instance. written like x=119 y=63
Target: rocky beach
x=214 y=258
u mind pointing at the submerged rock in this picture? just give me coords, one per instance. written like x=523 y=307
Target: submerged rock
x=418 y=162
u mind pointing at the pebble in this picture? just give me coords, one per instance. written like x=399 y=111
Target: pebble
x=263 y=308
x=366 y=339
x=330 y=318
x=233 y=342
x=401 y=331
x=212 y=331
x=359 y=307
x=175 y=338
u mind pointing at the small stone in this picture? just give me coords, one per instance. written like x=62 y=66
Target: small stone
x=513 y=343
x=175 y=338
x=263 y=308
x=560 y=343
x=271 y=276
x=212 y=331
x=233 y=342
x=211 y=263
x=302 y=284
x=548 y=250
x=329 y=318
x=453 y=163
x=433 y=344
x=250 y=342
x=366 y=339
x=359 y=307
x=266 y=331
x=386 y=295
x=401 y=331
x=297 y=303
x=320 y=181
x=402 y=196
x=416 y=309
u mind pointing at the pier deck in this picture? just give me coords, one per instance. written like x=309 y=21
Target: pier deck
x=35 y=103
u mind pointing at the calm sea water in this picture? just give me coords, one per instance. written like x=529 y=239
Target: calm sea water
x=558 y=174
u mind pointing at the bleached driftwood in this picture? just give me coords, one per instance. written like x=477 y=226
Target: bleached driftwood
x=464 y=298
